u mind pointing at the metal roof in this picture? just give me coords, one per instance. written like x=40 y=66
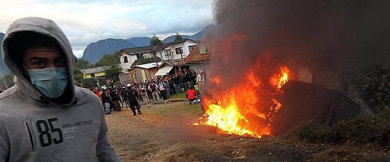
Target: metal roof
x=164 y=70
x=94 y=70
x=138 y=49
x=146 y=49
x=196 y=57
x=149 y=65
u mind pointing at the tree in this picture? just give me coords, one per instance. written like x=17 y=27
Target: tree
x=77 y=74
x=113 y=70
x=149 y=60
x=112 y=65
x=81 y=64
x=108 y=60
x=178 y=38
x=154 y=41
x=78 y=66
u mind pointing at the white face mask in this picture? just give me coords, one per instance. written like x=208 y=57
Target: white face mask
x=51 y=82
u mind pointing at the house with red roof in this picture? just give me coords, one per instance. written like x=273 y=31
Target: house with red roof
x=199 y=57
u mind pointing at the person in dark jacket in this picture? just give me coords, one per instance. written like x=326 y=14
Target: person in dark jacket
x=148 y=91
x=181 y=78
x=193 y=78
x=106 y=102
x=132 y=96
x=186 y=79
x=153 y=89
x=115 y=100
x=176 y=82
x=171 y=84
x=124 y=97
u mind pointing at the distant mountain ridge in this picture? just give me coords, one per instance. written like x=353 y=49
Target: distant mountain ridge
x=200 y=34
x=139 y=41
x=172 y=38
x=95 y=51
x=3 y=67
x=196 y=36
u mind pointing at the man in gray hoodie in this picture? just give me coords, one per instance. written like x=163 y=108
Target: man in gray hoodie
x=45 y=117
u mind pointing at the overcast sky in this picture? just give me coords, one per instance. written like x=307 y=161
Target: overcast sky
x=87 y=21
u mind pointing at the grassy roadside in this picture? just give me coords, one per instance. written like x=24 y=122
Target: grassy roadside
x=178 y=96
x=184 y=108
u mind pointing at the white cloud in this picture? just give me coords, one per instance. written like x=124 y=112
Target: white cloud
x=87 y=21
x=78 y=53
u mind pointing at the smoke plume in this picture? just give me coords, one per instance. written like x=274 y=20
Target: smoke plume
x=332 y=35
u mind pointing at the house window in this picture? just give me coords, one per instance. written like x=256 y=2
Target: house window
x=125 y=59
x=168 y=54
x=203 y=49
x=179 y=50
x=190 y=48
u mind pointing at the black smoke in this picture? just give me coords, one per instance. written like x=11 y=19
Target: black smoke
x=331 y=35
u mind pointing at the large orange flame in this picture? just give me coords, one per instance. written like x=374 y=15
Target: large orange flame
x=278 y=80
x=235 y=111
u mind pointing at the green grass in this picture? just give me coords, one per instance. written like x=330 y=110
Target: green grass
x=195 y=109
x=178 y=107
x=178 y=96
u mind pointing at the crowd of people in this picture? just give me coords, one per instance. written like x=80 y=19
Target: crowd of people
x=158 y=90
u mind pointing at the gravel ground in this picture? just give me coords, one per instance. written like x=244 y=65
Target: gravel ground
x=164 y=132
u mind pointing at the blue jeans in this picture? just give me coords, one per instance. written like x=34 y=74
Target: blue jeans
x=107 y=108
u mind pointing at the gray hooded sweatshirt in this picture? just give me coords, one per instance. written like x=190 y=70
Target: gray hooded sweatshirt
x=33 y=128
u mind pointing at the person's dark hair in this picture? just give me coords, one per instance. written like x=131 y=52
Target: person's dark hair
x=20 y=42
x=191 y=87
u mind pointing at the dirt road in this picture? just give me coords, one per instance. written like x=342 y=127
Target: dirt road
x=165 y=132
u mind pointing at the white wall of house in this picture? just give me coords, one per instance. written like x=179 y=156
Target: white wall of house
x=165 y=54
x=187 y=45
x=161 y=53
x=130 y=60
x=174 y=53
x=177 y=55
x=148 y=55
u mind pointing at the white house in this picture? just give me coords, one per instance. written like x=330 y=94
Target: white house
x=176 y=50
x=168 y=51
x=129 y=55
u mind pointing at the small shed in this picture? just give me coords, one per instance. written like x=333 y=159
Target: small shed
x=140 y=73
x=94 y=72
